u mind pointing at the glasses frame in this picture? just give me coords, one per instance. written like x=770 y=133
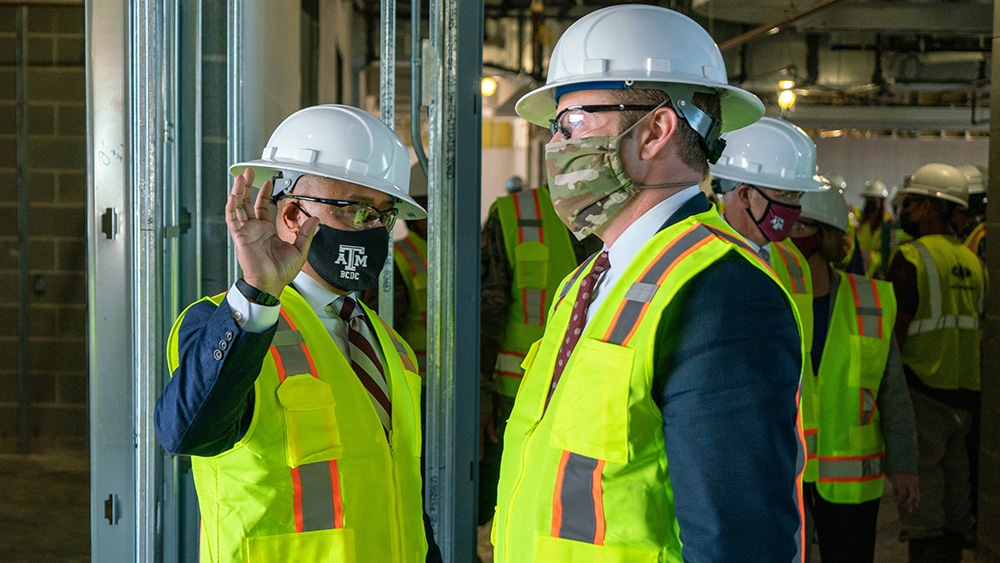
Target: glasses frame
x=387 y=218
x=556 y=127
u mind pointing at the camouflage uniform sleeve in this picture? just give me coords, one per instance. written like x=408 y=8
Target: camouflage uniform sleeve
x=495 y=284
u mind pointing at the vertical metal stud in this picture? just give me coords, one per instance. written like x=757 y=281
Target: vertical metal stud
x=387 y=112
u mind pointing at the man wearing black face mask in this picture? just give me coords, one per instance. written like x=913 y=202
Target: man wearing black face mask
x=939 y=287
x=298 y=404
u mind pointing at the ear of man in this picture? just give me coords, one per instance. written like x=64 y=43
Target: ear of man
x=656 y=132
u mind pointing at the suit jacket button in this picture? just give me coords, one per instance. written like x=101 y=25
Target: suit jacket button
x=223 y=345
x=217 y=354
x=229 y=336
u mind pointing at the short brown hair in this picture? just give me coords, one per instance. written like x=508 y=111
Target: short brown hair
x=693 y=151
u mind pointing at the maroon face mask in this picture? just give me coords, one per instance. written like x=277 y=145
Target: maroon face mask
x=807 y=245
x=778 y=218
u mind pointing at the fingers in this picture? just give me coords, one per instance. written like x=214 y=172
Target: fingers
x=262 y=207
x=303 y=238
x=235 y=217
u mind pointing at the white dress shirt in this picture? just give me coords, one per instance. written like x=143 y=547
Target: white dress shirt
x=254 y=317
x=631 y=241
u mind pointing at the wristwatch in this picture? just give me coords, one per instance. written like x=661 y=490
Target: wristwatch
x=255 y=295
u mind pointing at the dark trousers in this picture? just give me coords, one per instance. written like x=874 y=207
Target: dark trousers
x=845 y=532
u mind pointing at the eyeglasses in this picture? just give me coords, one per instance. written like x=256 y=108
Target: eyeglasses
x=360 y=216
x=570 y=117
x=781 y=196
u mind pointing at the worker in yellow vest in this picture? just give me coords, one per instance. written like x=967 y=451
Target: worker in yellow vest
x=656 y=418
x=410 y=275
x=865 y=418
x=775 y=161
x=970 y=222
x=869 y=233
x=298 y=405
x=526 y=252
x=939 y=286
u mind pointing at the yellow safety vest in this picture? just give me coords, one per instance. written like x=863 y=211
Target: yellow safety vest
x=976 y=238
x=792 y=269
x=571 y=473
x=540 y=254
x=315 y=478
x=410 y=256
x=942 y=346
x=851 y=447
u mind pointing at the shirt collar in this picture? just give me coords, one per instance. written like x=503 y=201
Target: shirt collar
x=642 y=229
x=756 y=247
x=317 y=296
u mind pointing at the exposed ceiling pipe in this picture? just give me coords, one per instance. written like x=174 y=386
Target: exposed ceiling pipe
x=775 y=26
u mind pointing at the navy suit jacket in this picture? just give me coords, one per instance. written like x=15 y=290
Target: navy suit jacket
x=728 y=360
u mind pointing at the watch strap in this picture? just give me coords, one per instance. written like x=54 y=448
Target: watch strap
x=255 y=295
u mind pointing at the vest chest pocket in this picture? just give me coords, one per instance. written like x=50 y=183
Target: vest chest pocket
x=320 y=546
x=591 y=417
x=531 y=258
x=308 y=411
x=870 y=354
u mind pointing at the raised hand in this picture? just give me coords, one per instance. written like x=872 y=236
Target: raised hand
x=269 y=262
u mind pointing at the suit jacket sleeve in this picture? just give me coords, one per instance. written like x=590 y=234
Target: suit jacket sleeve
x=728 y=361
x=207 y=405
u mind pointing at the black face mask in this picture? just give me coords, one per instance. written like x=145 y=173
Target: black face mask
x=349 y=260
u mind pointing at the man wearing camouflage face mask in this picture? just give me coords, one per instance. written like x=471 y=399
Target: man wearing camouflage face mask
x=660 y=408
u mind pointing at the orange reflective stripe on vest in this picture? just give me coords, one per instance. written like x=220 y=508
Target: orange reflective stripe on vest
x=317 y=500
x=417 y=263
x=795 y=273
x=868 y=305
x=810 y=437
x=578 y=503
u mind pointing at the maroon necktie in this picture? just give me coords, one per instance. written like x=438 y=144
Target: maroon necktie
x=578 y=317
x=364 y=360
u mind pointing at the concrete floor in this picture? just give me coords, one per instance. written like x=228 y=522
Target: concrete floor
x=44 y=512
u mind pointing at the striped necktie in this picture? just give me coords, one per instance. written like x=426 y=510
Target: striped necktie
x=364 y=359
x=765 y=255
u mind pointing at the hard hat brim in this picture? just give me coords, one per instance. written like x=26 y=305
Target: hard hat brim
x=264 y=170
x=813 y=184
x=935 y=193
x=739 y=107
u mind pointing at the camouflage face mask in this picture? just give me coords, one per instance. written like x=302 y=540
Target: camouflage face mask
x=587 y=181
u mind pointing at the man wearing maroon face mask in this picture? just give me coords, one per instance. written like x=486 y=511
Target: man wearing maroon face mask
x=761 y=175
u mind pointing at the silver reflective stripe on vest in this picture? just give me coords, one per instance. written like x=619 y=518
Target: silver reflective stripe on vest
x=811 y=445
x=287 y=343
x=529 y=221
x=867 y=406
x=936 y=321
x=858 y=469
x=632 y=307
x=868 y=306
x=317 y=496
x=534 y=300
x=413 y=258
x=582 y=514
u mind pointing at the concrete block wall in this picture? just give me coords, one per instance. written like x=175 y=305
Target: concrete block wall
x=57 y=162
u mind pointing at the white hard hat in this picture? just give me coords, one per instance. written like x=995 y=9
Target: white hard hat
x=837 y=181
x=770 y=153
x=644 y=47
x=827 y=206
x=875 y=188
x=339 y=142
x=939 y=181
x=975 y=178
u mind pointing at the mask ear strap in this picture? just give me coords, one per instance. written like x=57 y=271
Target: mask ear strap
x=643 y=118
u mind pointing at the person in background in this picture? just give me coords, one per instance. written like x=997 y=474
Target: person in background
x=763 y=172
x=298 y=405
x=873 y=217
x=676 y=342
x=970 y=222
x=865 y=419
x=939 y=286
